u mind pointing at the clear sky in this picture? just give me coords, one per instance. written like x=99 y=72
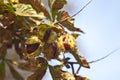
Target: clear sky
x=101 y=23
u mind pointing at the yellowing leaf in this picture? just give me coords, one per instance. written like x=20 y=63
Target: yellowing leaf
x=38 y=6
x=27 y=10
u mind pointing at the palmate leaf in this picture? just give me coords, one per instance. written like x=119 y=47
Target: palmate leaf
x=38 y=6
x=27 y=10
x=2 y=70
x=40 y=72
x=14 y=73
x=67 y=21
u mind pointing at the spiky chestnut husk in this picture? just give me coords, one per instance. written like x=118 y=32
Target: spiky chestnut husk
x=33 y=46
x=66 y=42
x=50 y=51
x=46 y=33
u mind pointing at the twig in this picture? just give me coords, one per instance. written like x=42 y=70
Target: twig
x=73 y=71
x=104 y=56
x=72 y=62
x=82 y=8
x=75 y=13
x=99 y=58
x=78 y=69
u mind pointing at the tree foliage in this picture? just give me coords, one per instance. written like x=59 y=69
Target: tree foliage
x=35 y=30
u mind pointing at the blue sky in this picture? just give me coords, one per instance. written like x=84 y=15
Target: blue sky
x=100 y=20
x=101 y=23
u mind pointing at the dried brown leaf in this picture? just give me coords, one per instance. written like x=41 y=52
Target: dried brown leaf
x=14 y=72
x=78 y=77
x=40 y=72
x=84 y=62
x=56 y=4
x=81 y=60
x=67 y=21
x=28 y=66
x=58 y=74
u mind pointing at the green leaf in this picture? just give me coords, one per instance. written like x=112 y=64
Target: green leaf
x=40 y=72
x=14 y=72
x=2 y=70
x=27 y=10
